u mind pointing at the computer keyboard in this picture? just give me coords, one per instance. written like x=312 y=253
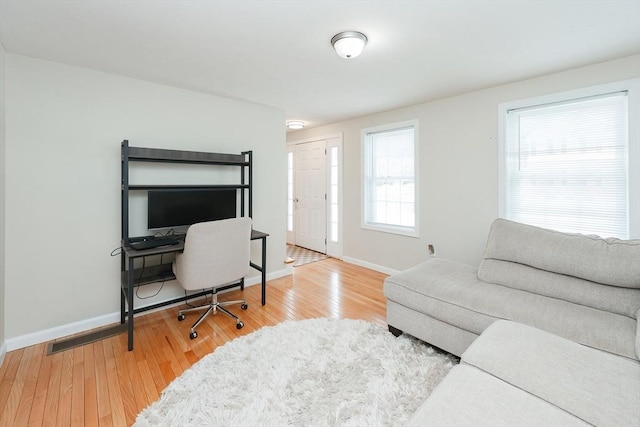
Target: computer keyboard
x=154 y=243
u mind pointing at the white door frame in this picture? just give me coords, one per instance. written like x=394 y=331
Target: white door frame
x=334 y=248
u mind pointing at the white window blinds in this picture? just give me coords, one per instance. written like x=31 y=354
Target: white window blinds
x=567 y=165
x=390 y=179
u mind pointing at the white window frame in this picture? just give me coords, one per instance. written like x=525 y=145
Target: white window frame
x=632 y=87
x=290 y=190
x=335 y=247
x=388 y=228
x=333 y=194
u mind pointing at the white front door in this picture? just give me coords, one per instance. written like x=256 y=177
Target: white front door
x=310 y=196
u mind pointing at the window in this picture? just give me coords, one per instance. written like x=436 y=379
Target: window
x=290 y=191
x=333 y=194
x=567 y=162
x=389 y=184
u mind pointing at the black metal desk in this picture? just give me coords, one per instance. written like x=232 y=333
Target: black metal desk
x=130 y=278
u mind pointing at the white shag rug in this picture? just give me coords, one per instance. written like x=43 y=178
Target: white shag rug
x=317 y=372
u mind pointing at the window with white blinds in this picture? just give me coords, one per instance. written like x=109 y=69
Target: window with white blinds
x=567 y=165
x=389 y=190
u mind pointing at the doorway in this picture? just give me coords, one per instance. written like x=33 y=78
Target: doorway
x=310 y=196
x=314 y=205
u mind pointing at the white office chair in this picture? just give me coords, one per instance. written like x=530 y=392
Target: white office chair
x=216 y=253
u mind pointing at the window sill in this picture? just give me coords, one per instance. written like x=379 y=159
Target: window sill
x=401 y=231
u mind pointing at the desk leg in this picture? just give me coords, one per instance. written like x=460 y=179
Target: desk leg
x=130 y=302
x=263 y=271
x=123 y=306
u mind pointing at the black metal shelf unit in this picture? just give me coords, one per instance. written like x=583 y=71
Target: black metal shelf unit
x=158 y=155
x=132 y=277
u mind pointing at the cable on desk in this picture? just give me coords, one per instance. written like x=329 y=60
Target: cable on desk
x=117 y=251
x=144 y=262
x=150 y=296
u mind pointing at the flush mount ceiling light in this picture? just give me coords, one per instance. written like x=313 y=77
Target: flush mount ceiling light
x=349 y=44
x=295 y=124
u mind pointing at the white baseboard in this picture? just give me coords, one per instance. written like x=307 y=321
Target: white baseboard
x=370 y=266
x=3 y=352
x=61 y=331
x=99 y=321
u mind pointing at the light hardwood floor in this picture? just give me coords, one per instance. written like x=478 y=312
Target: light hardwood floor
x=104 y=384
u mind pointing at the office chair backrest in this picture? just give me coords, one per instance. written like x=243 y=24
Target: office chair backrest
x=215 y=253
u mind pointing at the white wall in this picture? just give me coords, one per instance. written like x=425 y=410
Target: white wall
x=64 y=129
x=458 y=167
x=2 y=203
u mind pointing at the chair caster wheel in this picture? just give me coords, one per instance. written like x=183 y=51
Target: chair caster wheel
x=244 y=306
x=239 y=325
x=181 y=317
x=193 y=335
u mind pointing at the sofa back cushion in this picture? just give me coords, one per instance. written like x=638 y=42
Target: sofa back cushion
x=571 y=267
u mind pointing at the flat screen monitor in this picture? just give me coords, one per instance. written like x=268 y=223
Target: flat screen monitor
x=176 y=208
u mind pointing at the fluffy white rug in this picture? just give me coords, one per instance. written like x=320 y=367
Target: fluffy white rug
x=314 y=372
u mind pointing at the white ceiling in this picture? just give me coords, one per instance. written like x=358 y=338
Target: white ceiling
x=278 y=53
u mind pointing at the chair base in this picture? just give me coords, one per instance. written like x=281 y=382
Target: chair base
x=214 y=307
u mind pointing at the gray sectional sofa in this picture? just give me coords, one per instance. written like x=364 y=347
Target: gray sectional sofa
x=516 y=375
x=583 y=291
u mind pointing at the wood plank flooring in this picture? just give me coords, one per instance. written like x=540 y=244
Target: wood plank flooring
x=103 y=384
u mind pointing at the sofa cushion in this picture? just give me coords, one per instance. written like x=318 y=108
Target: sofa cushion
x=441 y=289
x=470 y=397
x=625 y=301
x=608 y=261
x=638 y=336
x=599 y=388
x=450 y=292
